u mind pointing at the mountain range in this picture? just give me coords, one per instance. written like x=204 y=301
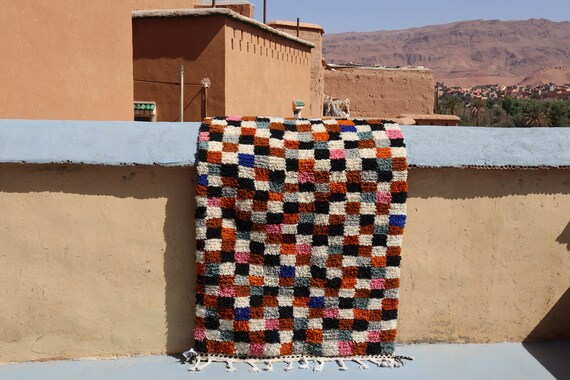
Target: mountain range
x=465 y=53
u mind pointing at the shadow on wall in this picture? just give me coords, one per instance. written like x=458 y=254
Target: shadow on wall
x=176 y=185
x=482 y=183
x=564 y=237
x=553 y=356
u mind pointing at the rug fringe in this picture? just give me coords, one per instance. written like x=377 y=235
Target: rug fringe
x=385 y=361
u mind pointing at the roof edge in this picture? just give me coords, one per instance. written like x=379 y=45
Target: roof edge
x=206 y=12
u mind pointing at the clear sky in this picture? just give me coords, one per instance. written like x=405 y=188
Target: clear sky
x=369 y=15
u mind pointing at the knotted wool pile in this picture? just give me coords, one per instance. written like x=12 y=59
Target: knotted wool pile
x=299 y=229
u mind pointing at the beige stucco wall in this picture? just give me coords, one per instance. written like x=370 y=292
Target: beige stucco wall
x=312 y=33
x=382 y=92
x=162 y=4
x=99 y=261
x=264 y=73
x=158 y=54
x=66 y=59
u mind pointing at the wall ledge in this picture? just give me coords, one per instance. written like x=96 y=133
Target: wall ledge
x=118 y=143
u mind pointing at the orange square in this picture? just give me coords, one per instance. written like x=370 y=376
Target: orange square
x=383 y=153
x=286 y=349
x=255 y=281
x=314 y=336
x=321 y=136
x=214 y=157
x=379 y=262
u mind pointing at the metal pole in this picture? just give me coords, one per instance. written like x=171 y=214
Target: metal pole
x=205 y=102
x=213 y=3
x=265 y=11
x=298 y=26
x=181 y=93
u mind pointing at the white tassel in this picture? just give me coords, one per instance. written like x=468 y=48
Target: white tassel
x=254 y=367
x=341 y=365
x=268 y=367
x=230 y=366
x=205 y=365
x=377 y=362
x=320 y=366
x=196 y=365
x=189 y=354
x=304 y=364
x=289 y=366
x=362 y=365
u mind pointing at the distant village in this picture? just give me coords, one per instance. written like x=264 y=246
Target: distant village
x=549 y=91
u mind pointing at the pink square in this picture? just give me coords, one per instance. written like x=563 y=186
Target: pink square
x=377 y=283
x=199 y=333
x=227 y=291
x=344 y=348
x=384 y=197
x=303 y=249
x=394 y=134
x=330 y=313
x=272 y=324
x=374 y=336
x=305 y=177
x=256 y=349
x=273 y=228
x=233 y=118
x=337 y=153
x=204 y=136
x=242 y=257
x=215 y=202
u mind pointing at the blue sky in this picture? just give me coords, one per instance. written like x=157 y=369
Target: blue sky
x=369 y=15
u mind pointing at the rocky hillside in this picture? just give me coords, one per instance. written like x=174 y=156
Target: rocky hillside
x=463 y=53
x=558 y=75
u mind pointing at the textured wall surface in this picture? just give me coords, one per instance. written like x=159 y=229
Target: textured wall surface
x=382 y=92
x=99 y=261
x=66 y=59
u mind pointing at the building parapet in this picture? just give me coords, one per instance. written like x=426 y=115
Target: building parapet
x=174 y=144
x=206 y=12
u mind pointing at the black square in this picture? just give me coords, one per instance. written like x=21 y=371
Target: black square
x=336 y=230
x=261 y=195
x=379 y=240
x=301 y=291
x=388 y=315
x=360 y=325
x=350 y=250
x=318 y=272
x=291 y=207
x=351 y=144
x=307 y=187
x=393 y=261
x=299 y=335
x=246 y=183
x=330 y=324
x=214 y=233
x=246 y=139
x=322 y=154
x=277 y=134
x=366 y=220
x=242 y=269
x=334 y=283
x=271 y=291
x=255 y=301
x=256 y=247
x=271 y=260
x=338 y=165
x=228 y=257
x=228 y=213
x=322 y=207
x=320 y=240
x=305 y=228
x=292 y=164
x=384 y=176
x=260 y=150
x=397 y=143
x=214 y=191
x=272 y=336
x=212 y=323
x=365 y=273
x=226 y=302
x=399 y=197
x=274 y=218
x=369 y=164
x=345 y=303
x=306 y=145
x=241 y=336
x=285 y=312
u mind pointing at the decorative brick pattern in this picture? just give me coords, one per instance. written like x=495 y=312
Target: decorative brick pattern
x=299 y=229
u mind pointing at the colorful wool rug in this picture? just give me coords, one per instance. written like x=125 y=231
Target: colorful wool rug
x=299 y=229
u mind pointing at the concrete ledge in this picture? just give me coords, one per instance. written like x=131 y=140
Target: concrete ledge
x=174 y=144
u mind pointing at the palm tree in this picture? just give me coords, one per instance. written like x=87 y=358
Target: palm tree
x=452 y=104
x=477 y=108
x=535 y=117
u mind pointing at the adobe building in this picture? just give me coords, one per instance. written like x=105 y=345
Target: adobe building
x=312 y=33
x=66 y=59
x=432 y=119
x=381 y=91
x=249 y=67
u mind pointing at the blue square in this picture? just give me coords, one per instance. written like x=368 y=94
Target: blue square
x=317 y=302
x=243 y=314
x=247 y=160
x=347 y=128
x=397 y=220
x=286 y=271
x=203 y=180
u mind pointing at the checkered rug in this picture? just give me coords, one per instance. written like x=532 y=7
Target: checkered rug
x=299 y=229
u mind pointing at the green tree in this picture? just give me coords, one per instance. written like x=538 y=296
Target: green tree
x=452 y=104
x=477 y=108
x=536 y=117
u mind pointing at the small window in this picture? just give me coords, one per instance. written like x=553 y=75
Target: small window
x=145 y=111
